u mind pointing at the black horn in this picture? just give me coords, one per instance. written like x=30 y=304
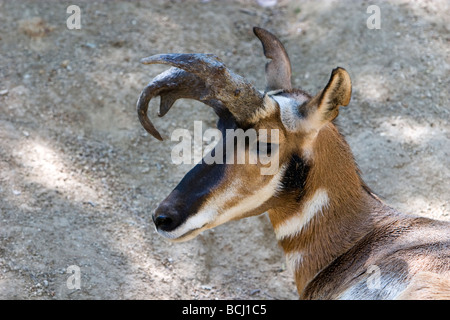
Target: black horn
x=278 y=70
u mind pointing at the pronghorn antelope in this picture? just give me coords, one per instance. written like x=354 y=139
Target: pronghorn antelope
x=337 y=235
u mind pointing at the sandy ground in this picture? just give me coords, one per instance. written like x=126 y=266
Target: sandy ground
x=79 y=177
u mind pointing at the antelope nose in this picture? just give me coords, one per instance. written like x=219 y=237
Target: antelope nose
x=166 y=218
x=161 y=221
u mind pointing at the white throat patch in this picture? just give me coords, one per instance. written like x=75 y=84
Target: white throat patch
x=295 y=224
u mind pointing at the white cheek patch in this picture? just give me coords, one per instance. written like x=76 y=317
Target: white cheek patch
x=211 y=215
x=195 y=222
x=204 y=216
x=253 y=201
x=295 y=224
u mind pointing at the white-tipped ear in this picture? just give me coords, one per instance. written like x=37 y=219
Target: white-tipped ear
x=337 y=93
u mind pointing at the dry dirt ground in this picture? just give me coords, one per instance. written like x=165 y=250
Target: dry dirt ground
x=79 y=177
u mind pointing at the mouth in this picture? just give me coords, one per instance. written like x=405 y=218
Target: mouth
x=174 y=237
x=190 y=228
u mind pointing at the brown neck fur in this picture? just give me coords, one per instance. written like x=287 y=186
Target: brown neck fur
x=345 y=220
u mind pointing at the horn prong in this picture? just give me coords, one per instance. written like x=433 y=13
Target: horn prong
x=278 y=70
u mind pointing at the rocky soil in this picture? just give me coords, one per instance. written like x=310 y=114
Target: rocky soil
x=79 y=177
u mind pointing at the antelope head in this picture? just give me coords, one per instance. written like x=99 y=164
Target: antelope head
x=213 y=193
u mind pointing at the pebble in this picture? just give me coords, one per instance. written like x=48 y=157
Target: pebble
x=255 y=291
x=266 y=3
x=205 y=287
x=90 y=45
x=65 y=64
x=4 y=92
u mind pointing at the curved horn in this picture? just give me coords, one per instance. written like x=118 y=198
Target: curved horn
x=278 y=70
x=171 y=85
x=204 y=78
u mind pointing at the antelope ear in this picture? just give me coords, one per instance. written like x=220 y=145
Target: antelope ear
x=311 y=116
x=337 y=93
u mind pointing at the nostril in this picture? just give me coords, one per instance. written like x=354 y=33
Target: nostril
x=162 y=221
x=166 y=217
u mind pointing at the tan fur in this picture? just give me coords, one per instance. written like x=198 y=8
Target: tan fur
x=355 y=225
x=343 y=183
x=341 y=240
x=427 y=286
x=332 y=253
